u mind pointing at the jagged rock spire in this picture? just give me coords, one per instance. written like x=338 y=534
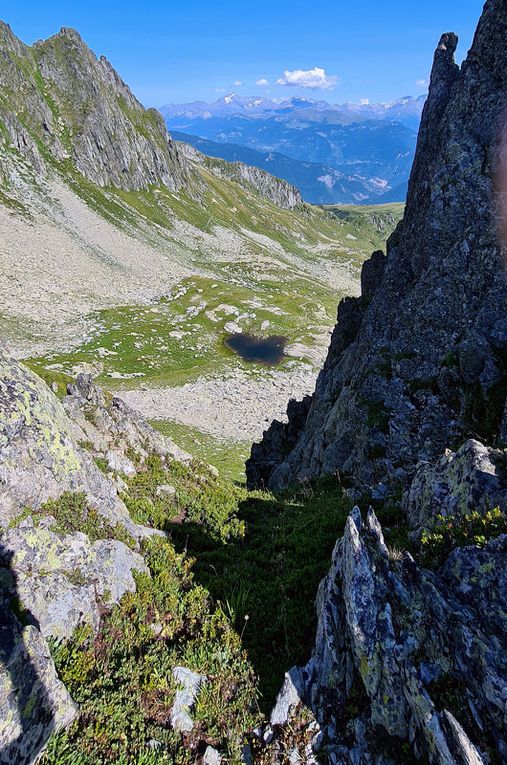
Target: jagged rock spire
x=421 y=363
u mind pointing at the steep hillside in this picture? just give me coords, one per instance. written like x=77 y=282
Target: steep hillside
x=59 y=101
x=408 y=416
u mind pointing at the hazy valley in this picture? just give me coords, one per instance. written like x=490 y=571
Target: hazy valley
x=360 y=154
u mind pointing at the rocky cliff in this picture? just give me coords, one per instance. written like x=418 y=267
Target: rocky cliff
x=408 y=664
x=59 y=102
x=281 y=193
x=418 y=363
x=409 y=658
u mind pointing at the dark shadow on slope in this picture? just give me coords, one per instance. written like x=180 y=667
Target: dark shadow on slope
x=267 y=581
x=28 y=699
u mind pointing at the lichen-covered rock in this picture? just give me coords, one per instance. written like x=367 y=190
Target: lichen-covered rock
x=189 y=684
x=33 y=701
x=473 y=478
x=419 y=357
x=65 y=580
x=288 y=698
x=115 y=429
x=40 y=455
x=407 y=660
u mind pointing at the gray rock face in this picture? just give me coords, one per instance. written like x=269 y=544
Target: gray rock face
x=473 y=478
x=417 y=361
x=396 y=645
x=65 y=581
x=288 y=698
x=33 y=701
x=57 y=581
x=63 y=102
x=39 y=452
x=280 y=192
x=189 y=684
x=278 y=439
x=114 y=428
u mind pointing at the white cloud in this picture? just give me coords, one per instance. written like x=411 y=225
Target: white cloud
x=364 y=101
x=237 y=83
x=313 y=79
x=262 y=82
x=220 y=90
x=422 y=83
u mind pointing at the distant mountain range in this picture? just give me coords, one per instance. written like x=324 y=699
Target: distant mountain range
x=407 y=110
x=345 y=153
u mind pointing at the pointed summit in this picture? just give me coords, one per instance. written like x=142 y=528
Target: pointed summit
x=71 y=34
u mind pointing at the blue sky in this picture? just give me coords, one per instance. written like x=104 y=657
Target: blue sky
x=175 y=52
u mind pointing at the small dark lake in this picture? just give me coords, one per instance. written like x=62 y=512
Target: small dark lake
x=263 y=350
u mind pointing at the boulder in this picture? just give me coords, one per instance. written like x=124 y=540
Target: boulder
x=65 y=580
x=33 y=701
x=189 y=684
x=473 y=478
x=406 y=662
x=40 y=452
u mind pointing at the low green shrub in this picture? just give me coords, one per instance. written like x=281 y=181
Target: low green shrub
x=72 y=513
x=123 y=681
x=267 y=580
x=448 y=532
x=200 y=498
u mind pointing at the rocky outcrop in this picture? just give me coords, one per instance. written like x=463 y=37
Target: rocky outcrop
x=472 y=479
x=59 y=102
x=418 y=361
x=42 y=444
x=41 y=451
x=114 y=428
x=65 y=580
x=406 y=665
x=278 y=191
x=53 y=578
x=40 y=456
x=279 y=439
x=33 y=701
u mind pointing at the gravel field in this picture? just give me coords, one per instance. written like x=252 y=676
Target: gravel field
x=239 y=406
